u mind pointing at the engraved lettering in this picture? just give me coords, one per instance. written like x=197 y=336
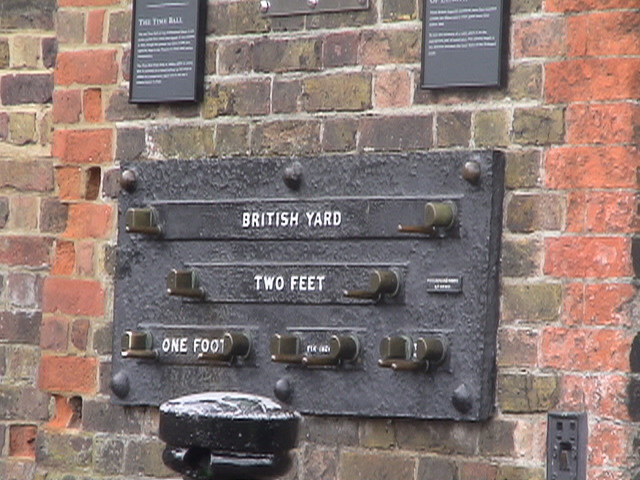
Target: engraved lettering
x=175 y=345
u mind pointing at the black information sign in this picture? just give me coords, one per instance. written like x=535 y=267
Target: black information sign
x=462 y=43
x=167 y=60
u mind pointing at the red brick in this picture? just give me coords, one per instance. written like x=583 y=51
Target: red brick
x=478 y=471
x=540 y=37
x=392 y=89
x=602 y=395
x=65 y=260
x=83 y=146
x=595 y=350
x=586 y=5
x=26 y=175
x=87 y=67
x=573 y=307
x=602 y=212
x=88 y=220
x=95 y=28
x=67 y=106
x=605 y=33
x=603 y=123
x=74 y=297
x=85 y=254
x=592 y=79
x=609 y=304
x=592 y=167
x=22 y=441
x=54 y=333
x=70 y=183
x=92 y=105
x=68 y=412
x=610 y=443
x=28 y=251
x=581 y=257
x=599 y=473
x=55 y=374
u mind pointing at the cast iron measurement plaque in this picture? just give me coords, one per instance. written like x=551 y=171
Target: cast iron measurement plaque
x=462 y=43
x=167 y=51
x=370 y=288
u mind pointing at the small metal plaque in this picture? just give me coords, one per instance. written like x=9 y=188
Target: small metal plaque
x=167 y=51
x=444 y=284
x=462 y=43
x=276 y=8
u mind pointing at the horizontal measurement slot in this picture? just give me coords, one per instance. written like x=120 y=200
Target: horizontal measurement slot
x=275 y=219
x=296 y=283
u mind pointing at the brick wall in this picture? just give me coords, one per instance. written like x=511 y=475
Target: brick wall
x=568 y=119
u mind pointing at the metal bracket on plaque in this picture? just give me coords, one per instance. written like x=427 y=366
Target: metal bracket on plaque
x=276 y=8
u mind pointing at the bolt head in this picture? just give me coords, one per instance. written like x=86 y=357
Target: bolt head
x=471 y=172
x=128 y=180
x=312 y=3
x=265 y=5
x=292 y=176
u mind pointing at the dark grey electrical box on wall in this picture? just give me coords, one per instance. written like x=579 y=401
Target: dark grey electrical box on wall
x=345 y=285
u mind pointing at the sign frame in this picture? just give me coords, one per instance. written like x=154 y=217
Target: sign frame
x=189 y=85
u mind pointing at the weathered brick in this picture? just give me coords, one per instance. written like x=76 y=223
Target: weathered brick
x=28 y=251
x=24 y=290
x=235 y=57
x=144 y=457
x=278 y=56
x=592 y=79
x=604 y=33
x=591 y=167
x=53 y=216
x=342 y=92
x=120 y=27
x=108 y=454
x=232 y=139
x=438 y=436
x=453 y=129
x=286 y=95
x=604 y=395
x=518 y=347
x=64 y=450
x=360 y=466
x=538 y=126
x=54 y=374
x=526 y=393
x=608 y=304
x=130 y=144
x=603 y=123
x=287 y=137
x=521 y=257
x=109 y=259
x=320 y=462
x=399 y=10
x=24 y=213
x=525 y=6
x=523 y=169
x=531 y=302
x=26 y=88
x=540 y=37
x=22 y=364
x=65 y=258
x=182 y=141
x=22 y=128
x=497 y=438
x=210 y=58
x=603 y=212
x=102 y=337
x=437 y=468
x=491 y=128
x=125 y=64
x=396 y=132
x=67 y=106
x=92 y=104
x=20 y=402
x=22 y=441
x=27 y=14
x=70 y=182
x=339 y=20
x=585 y=349
x=54 y=333
x=26 y=51
x=330 y=431
x=101 y=416
x=87 y=67
x=70 y=26
x=532 y=212
x=381 y=47
x=524 y=81
x=74 y=297
x=340 y=49
x=339 y=135
x=587 y=257
x=477 y=471
x=20 y=327
x=393 y=88
x=377 y=433
x=17 y=469
x=235 y=18
x=83 y=146
x=510 y=472
x=49 y=51
x=244 y=98
x=79 y=334
x=45 y=127
x=5 y=53
x=86 y=3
